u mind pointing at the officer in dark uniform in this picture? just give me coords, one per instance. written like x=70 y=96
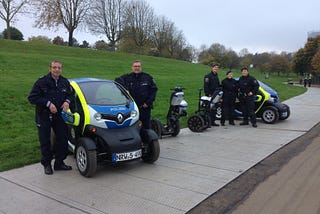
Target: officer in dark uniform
x=230 y=90
x=211 y=84
x=142 y=88
x=248 y=88
x=51 y=94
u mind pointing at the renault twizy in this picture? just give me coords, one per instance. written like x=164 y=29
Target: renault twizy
x=106 y=126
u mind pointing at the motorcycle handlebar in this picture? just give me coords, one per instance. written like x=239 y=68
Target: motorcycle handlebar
x=177 y=88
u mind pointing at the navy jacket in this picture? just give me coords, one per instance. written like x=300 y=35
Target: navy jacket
x=211 y=83
x=47 y=90
x=141 y=86
x=247 y=84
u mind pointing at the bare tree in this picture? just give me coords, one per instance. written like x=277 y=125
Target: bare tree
x=176 y=41
x=139 y=22
x=8 y=11
x=106 y=17
x=69 y=13
x=160 y=34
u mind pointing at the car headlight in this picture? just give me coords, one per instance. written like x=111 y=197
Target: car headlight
x=134 y=113
x=97 y=116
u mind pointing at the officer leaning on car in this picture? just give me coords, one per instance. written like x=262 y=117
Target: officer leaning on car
x=51 y=94
x=248 y=88
x=211 y=85
x=142 y=88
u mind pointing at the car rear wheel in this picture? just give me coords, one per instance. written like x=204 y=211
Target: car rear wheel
x=156 y=126
x=153 y=152
x=86 y=159
x=270 y=114
x=287 y=115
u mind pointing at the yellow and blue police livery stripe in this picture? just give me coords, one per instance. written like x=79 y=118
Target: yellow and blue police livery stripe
x=112 y=117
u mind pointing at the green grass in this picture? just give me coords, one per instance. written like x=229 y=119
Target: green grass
x=22 y=63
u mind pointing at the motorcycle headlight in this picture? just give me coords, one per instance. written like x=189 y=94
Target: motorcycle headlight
x=134 y=113
x=97 y=116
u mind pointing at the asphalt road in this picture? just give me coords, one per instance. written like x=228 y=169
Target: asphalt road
x=287 y=182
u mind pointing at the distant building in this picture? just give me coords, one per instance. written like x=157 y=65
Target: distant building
x=313 y=34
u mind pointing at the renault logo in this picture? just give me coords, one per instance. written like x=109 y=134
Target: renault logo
x=120 y=118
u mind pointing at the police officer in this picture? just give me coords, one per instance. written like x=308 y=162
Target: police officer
x=51 y=94
x=248 y=88
x=142 y=88
x=229 y=88
x=211 y=84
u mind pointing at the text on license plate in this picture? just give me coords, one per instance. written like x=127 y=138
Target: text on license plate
x=126 y=156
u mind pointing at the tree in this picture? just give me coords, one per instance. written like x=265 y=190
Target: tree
x=279 y=64
x=15 y=34
x=161 y=34
x=106 y=17
x=42 y=39
x=315 y=63
x=84 y=44
x=139 y=23
x=302 y=62
x=101 y=45
x=58 y=40
x=8 y=11
x=69 y=13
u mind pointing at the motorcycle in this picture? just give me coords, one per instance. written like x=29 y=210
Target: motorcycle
x=201 y=119
x=177 y=109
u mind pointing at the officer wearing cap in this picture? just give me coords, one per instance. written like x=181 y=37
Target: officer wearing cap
x=229 y=88
x=211 y=84
x=51 y=94
x=248 y=88
x=142 y=88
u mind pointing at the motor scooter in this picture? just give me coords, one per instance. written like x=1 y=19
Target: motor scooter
x=177 y=109
x=201 y=120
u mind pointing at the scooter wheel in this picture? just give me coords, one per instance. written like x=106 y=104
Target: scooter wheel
x=196 y=123
x=175 y=124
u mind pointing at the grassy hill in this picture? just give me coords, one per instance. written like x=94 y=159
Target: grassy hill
x=22 y=63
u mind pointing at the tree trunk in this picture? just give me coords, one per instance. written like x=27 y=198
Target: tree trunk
x=8 y=30
x=70 y=40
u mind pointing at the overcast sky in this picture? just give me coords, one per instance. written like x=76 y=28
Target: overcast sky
x=259 y=26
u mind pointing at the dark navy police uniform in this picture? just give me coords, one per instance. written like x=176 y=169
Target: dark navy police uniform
x=211 y=84
x=45 y=91
x=143 y=89
x=229 y=88
x=248 y=84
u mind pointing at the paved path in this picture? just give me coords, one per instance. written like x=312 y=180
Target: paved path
x=191 y=167
x=294 y=189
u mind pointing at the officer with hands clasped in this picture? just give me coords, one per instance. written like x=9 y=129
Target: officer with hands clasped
x=142 y=88
x=230 y=90
x=211 y=84
x=51 y=94
x=248 y=88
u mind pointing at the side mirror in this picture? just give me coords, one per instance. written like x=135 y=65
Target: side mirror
x=70 y=118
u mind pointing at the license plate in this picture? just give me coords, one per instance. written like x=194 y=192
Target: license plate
x=116 y=157
x=284 y=114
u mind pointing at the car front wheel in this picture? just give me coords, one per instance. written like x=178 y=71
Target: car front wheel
x=86 y=160
x=270 y=114
x=153 y=152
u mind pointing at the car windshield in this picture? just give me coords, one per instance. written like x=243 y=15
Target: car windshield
x=265 y=86
x=104 y=93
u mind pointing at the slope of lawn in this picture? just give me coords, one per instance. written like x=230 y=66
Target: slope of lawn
x=22 y=63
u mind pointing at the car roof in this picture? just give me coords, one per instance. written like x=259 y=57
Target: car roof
x=88 y=79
